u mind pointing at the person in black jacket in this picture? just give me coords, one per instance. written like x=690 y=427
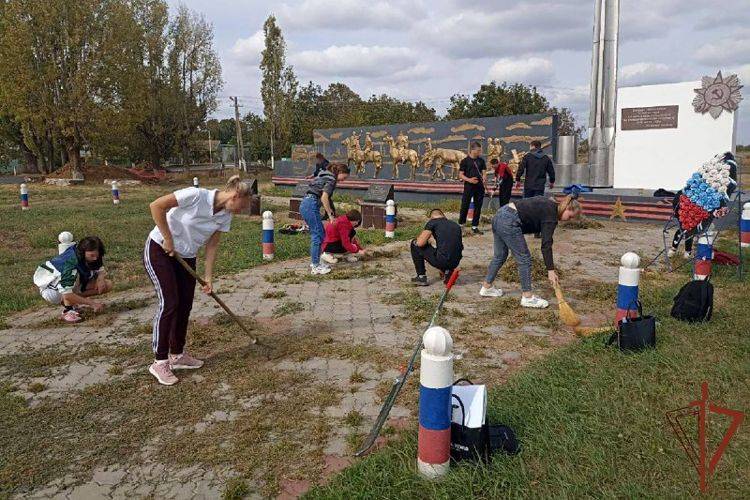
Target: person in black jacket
x=510 y=223
x=447 y=252
x=473 y=171
x=537 y=166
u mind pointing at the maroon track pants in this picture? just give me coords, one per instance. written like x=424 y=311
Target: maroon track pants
x=175 y=288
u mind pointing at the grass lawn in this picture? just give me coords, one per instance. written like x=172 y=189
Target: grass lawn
x=29 y=238
x=592 y=420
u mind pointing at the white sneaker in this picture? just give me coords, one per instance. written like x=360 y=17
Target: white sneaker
x=534 y=302
x=671 y=252
x=320 y=269
x=352 y=258
x=328 y=258
x=686 y=255
x=490 y=292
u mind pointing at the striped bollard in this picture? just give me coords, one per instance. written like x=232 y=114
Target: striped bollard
x=65 y=240
x=627 y=287
x=115 y=192
x=745 y=226
x=268 y=245
x=390 y=219
x=704 y=254
x=470 y=213
x=435 y=388
x=24 y=197
x=195 y=182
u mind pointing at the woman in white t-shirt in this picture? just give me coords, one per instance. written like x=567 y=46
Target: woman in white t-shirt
x=186 y=220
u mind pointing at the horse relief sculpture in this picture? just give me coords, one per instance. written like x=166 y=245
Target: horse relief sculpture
x=494 y=149
x=360 y=158
x=401 y=156
x=439 y=157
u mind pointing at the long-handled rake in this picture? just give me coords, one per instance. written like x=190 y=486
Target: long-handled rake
x=213 y=295
x=398 y=384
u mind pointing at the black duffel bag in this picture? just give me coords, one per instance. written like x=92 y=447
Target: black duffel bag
x=694 y=302
x=635 y=334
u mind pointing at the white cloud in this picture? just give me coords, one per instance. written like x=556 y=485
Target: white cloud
x=358 y=61
x=729 y=50
x=531 y=70
x=247 y=51
x=649 y=73
x=354 y=15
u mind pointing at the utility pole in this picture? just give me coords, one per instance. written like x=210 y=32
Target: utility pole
x=240 y=150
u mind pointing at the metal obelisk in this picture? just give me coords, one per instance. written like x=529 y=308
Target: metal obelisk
x=603 y=111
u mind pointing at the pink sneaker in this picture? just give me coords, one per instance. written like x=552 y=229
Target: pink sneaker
x=184 y=361
x=163 y=373
x=71 y=316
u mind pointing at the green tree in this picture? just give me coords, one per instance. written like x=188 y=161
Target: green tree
x=278 y=87
x=195 y=72
x=60 y=73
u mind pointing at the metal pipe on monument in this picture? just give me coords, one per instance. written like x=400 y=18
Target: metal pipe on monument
x=603 y=109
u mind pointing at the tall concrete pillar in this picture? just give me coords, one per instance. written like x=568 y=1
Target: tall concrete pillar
x=603 y=110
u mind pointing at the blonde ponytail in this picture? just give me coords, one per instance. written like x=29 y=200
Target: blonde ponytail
x=568 y=203
x=236 y=184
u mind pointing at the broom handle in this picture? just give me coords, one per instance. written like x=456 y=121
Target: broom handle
x=559 y=293
x=214 y=296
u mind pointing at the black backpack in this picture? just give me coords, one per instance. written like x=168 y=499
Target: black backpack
x=694 y=302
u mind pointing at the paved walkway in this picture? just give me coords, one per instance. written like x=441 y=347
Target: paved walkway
x=353 y=312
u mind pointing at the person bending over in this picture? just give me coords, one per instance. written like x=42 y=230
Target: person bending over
x=510 y=223
x=73 y=276
x=319 y=194
x=186 y=221
x=473 y=171
x=447 y=252
x=341 y=238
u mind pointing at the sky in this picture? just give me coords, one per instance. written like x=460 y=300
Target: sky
x=430 y=50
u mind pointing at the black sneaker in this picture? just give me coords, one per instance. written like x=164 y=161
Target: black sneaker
x=420 y=281
x=476 y=230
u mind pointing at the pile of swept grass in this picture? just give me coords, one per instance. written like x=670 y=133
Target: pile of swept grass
x=582 y=223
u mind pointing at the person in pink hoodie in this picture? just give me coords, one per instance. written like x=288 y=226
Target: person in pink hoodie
x=341 y=238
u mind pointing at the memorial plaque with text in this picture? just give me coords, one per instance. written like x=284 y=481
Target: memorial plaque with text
x=653 y=117
x=379 y=193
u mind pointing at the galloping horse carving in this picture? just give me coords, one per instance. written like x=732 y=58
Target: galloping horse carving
x=359 y=157
x=440 y=157
x=401 y=155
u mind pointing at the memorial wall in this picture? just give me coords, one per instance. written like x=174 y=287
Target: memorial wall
x=421 y=152
x=666 y=131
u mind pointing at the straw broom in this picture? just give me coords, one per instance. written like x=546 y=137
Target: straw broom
x=567 y=314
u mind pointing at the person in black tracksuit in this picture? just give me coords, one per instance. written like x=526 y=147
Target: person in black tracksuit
x=473 y=171
x=537 y=166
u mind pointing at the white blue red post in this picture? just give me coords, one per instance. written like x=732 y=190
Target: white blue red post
x=745 y=226
x=627 y=287
x=704 y=254
x=470 y=214
x=435 y=388
x=268 y=244
x=24 y=197
x=65 y=240
x=115 y=192
x=195 y=182
x=390 y=219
